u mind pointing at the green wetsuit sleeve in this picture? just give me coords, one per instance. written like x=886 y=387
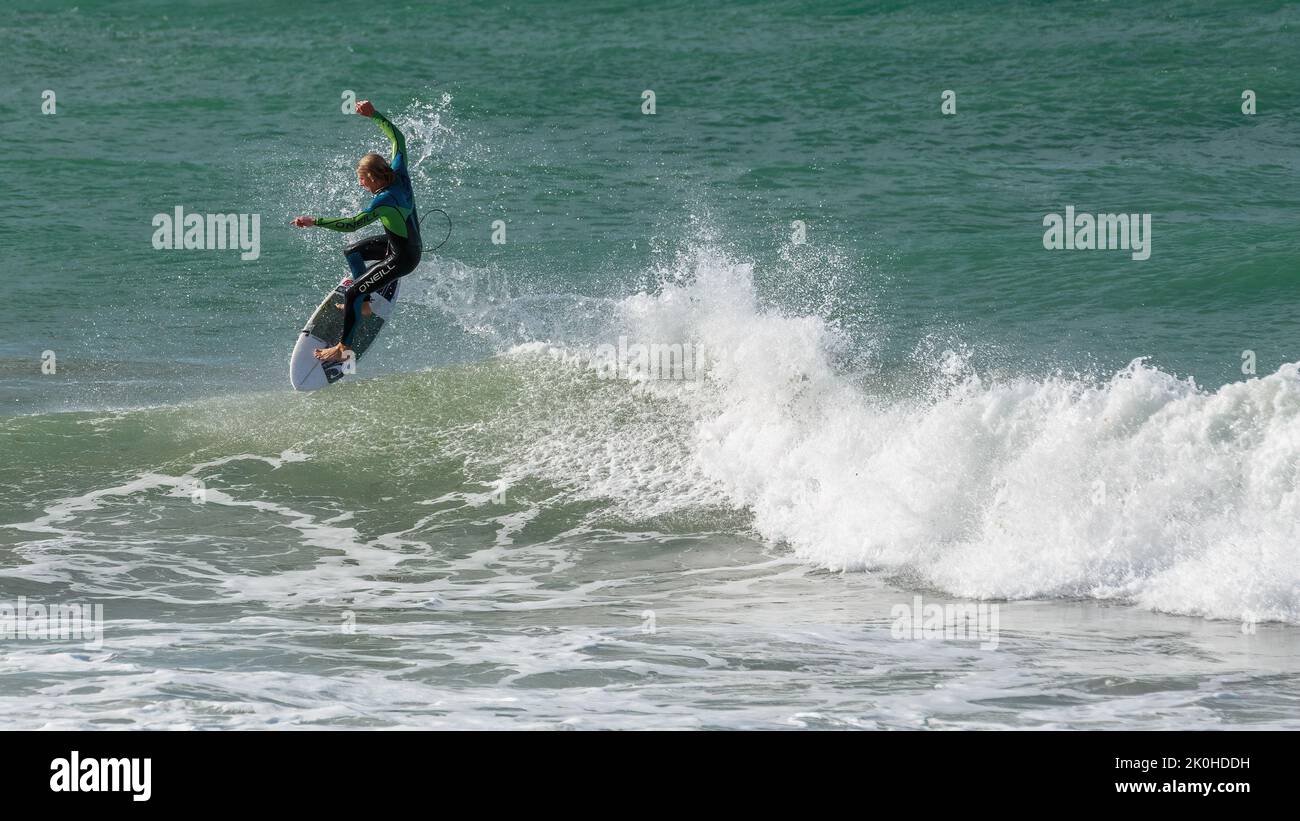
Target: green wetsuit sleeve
x=347 y=223
x=394 y=136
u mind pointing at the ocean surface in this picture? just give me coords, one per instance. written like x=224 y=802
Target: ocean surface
x=896 y=396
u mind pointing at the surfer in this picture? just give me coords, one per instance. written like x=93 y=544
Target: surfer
x=395 y=252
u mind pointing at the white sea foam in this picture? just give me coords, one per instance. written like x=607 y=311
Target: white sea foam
x=1142 y=487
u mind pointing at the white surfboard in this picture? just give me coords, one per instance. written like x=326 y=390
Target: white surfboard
x=325 y=328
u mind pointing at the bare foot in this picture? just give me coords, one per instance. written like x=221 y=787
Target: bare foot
x=332 y=354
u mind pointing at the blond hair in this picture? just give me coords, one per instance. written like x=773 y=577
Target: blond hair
x=377 y=168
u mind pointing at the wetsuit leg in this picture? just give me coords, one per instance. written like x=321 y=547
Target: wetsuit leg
x=388 y=269
x=363 y=250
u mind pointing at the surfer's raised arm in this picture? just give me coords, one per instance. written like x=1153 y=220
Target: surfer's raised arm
x=395 y=138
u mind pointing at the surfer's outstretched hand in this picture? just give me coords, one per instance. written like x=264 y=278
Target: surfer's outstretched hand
x=304 y=222
x=365 y=109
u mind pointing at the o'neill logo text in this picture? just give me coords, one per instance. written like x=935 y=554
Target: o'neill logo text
x=102 y=775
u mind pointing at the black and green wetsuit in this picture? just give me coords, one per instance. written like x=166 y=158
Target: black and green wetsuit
x=395 y=252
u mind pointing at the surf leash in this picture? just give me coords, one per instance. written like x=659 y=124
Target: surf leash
x=444 y=239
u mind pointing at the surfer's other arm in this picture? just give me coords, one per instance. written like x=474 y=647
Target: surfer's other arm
x=344 y=224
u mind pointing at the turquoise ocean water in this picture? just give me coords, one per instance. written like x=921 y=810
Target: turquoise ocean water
x=902 y=391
